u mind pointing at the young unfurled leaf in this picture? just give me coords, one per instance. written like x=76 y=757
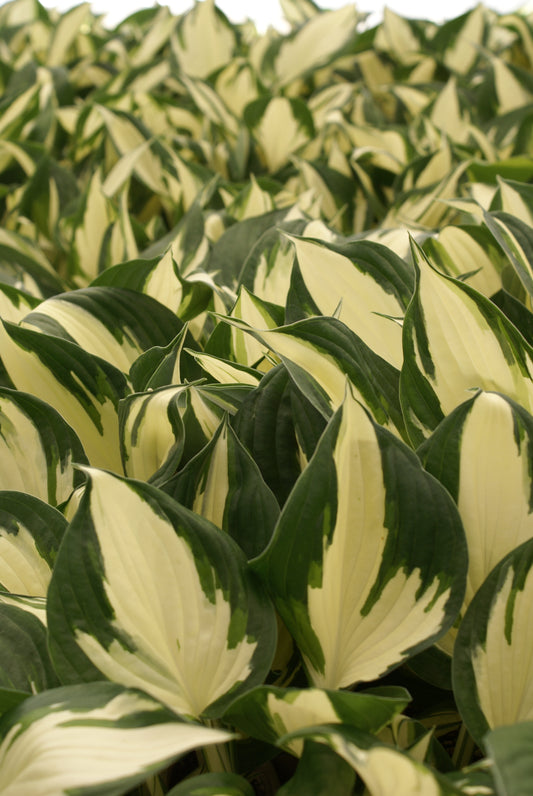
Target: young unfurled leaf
x=456 y=340
x=492 y=663
x=367 y=564
x=95 y=738
x=84 y=389
x=151 y=432
x=37 y=448
x=148 y=594
x=269 y=713
x=223 y=484
x=482 y=454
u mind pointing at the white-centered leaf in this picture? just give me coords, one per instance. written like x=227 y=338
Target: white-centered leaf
x=481 y=453
x=150 y=595
x=84 y=389
x=98 y=737
x=369 y=586
x=493 y=654
x=456 y=340
x=37 y=448
x=30 y=534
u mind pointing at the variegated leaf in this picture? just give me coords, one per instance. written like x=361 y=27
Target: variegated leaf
x=320 y=353
x=37 y=448
x=223 y=484
x=516 y=239
x=482 y=454
x=492 y=662
x=269 y=713
x=148 y=594
x=30 y=535
x=456 y=340
x=84 y=389
x=367 y=564
x=108 y=322
x=368 y=288
x=151 y=432
x=93 y=738
x=25 y=665
x=382 y=768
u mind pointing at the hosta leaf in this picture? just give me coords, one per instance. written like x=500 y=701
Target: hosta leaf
x=269 y=713
x=468 y=253
x=267 y=115
x=92 y=738
x=30 y=535
x=516 y=239
x=151 y=431
x=509 y=749
x=156 y=277
x=37 y=448
x=25 y=664
x=84 y=389
x=205 y=40
x=320 y=353
x=267 y=270
x=382 y=768
x=316 y=43
x=366 y=282
x=159 y=366
x=260 y=314
x=25 y=267
x=489 y=477
x=223 y=484
x=226 y=372
x=108 y=322
x=265 y=424
x=213 y=785
x=381 y=573
x=15 y=304
x=456 y=340
x=233 y=246
x=148 y=594
x=492 y=662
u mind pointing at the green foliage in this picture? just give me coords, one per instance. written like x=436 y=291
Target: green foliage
x=266 y=398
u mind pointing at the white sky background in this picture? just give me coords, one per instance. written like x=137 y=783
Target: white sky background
x=268 y=12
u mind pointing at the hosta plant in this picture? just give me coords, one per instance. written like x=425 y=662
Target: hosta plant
x=266 y=403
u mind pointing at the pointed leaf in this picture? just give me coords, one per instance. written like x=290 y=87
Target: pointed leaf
x=37 y=448
x=320 y=352
x=456 y=340
x=93 y=738
x=25 y=664
x=269 y=713
x=492 y=663
x=489 y=477
x=149 y=594
x=30 y=535
x=381 y=573
x=224 y=485
x=108 y=322
x=84 y=389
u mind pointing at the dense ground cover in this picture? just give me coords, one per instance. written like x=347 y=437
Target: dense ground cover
x=265 y=407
